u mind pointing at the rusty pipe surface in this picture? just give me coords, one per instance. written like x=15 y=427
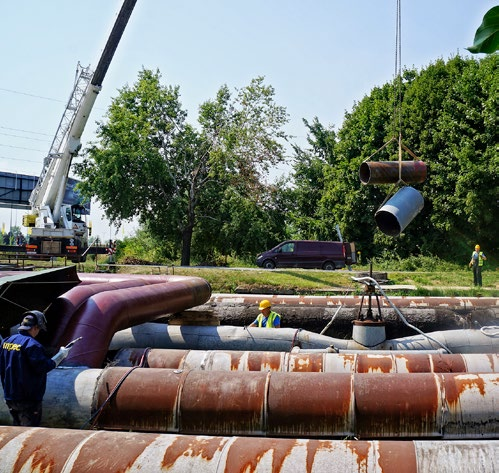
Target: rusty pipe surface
x=65 y=451
x=226 y=337
x=281 y=301
x=218 y=360
x=389 y=172
x=274 y=404
x=104 y=313
x=301 y=404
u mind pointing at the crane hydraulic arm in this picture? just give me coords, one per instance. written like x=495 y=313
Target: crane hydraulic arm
x=56 y=228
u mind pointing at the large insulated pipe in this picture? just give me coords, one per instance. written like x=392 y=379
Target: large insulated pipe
x=274 y=404
x=399 y=211
x=62 y=309
x=389 y=172
x=216 y=360
x=226 y=337
x=97 y=278
x=104 y=313
x=72 y=451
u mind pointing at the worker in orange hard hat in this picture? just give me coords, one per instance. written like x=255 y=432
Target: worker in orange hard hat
x=477 y=259
x=267 y=317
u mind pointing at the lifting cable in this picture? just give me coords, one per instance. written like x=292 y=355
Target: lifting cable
x=397 y=102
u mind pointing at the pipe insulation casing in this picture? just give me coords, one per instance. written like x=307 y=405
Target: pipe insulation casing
x=323 y=405
x=226 y=337
x=106 y=312
x=76 y=451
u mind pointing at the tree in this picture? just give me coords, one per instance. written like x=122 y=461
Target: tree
x=449 y=120
x=309 y=170
x=151 y=164
x=244 y=212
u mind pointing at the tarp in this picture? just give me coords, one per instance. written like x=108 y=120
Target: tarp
x=32 y=290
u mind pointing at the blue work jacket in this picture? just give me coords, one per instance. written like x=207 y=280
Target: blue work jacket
x=23 y=368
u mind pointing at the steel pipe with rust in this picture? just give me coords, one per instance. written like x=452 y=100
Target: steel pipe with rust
x=73 y=451
x=217 y=360
x=318 y=405
x=389 y=172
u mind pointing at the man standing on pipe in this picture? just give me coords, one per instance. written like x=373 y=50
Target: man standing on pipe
x=477 y=259
x=23 y=370
x=267 y=317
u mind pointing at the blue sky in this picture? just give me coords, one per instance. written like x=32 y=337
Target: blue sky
x=320 y=56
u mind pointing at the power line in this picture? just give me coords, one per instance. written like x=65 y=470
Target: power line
x=19 y=159
x=24 y=137
x=25 y=131
x=20 y=147
x=31 y=95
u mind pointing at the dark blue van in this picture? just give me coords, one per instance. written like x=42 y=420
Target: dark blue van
x=326 y=255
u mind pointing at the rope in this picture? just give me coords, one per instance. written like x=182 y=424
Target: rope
x=488 y=328
x=93 y=419
x=294 y=339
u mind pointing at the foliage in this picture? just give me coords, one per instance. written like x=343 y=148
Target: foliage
x=389 y=261
x=142 y=246
x=310 y=167
x=449 y=120
x=487 y=35
x=151 y=164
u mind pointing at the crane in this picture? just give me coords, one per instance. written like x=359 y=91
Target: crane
x=56 y=228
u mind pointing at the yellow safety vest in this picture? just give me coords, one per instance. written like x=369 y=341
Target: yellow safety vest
x=270 y=320
x=480 y=257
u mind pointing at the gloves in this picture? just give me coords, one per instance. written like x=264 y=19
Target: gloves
x=60 y=355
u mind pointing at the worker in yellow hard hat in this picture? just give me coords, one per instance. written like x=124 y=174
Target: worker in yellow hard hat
x=267 y=317
x=476 y=262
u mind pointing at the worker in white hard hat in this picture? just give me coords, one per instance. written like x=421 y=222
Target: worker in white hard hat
x=477 y=259
x=267 y=318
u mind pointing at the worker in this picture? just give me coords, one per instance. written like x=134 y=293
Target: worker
x=23 y=370
x=477 y=259
x=266 y=318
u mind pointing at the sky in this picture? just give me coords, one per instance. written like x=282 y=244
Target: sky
x=320 y=57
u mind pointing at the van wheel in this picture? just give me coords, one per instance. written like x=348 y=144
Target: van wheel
x=268 y=264
x=328 y=266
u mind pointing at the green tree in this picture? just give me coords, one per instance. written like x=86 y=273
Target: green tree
x=151 y=164
x=309 y=169
x=241 y=214
x=449 y=120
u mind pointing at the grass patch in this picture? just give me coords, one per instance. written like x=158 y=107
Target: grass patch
x=310 y=281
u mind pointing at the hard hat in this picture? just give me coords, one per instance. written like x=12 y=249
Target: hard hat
x=264 y=304
x=477 y=247
x=33 y=318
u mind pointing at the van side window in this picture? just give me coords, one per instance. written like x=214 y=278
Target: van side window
x=288 y=248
